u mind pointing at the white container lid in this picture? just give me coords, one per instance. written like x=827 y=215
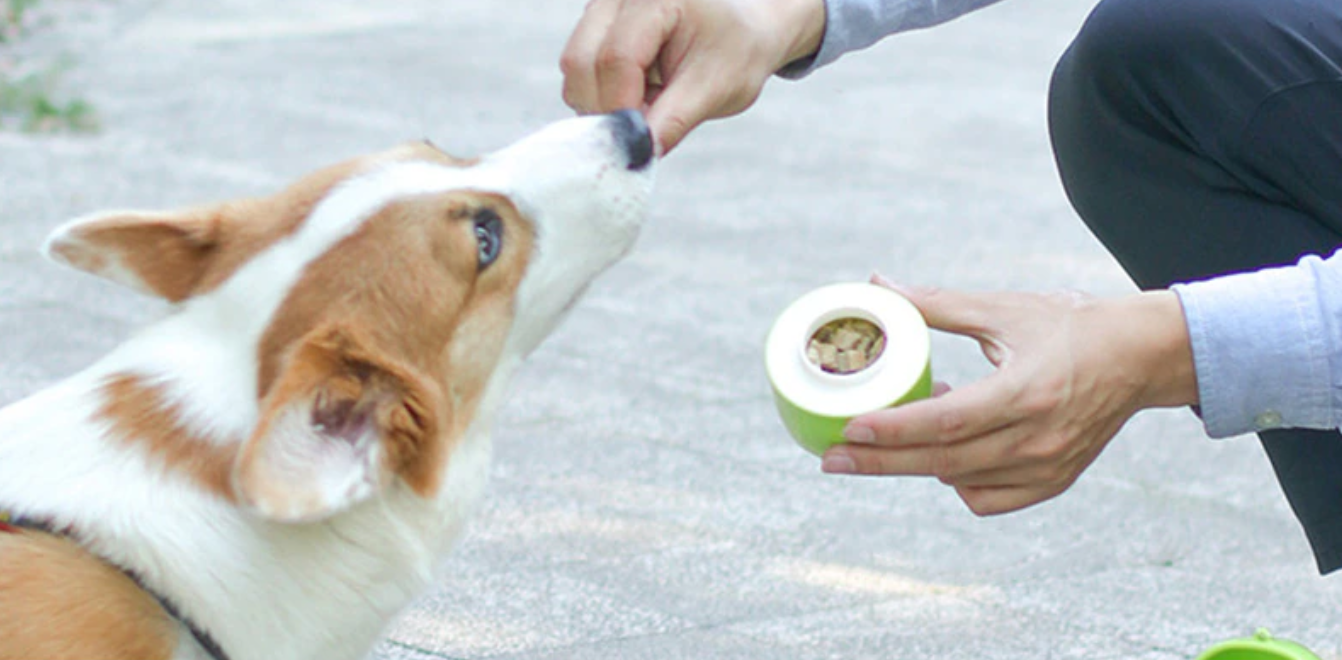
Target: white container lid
x=887 y=379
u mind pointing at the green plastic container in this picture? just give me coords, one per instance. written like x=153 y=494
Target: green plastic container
x=1262 y=646
x=814 y=405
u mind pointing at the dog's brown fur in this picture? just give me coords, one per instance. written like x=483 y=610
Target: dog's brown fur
x=52 y=584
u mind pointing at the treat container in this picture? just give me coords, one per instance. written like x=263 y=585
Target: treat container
x=814 y=404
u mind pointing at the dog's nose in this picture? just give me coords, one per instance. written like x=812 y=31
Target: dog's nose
x=632 y=134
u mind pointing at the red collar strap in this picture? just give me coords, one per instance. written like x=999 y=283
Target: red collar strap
x=12 y=524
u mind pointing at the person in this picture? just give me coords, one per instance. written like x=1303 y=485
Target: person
x=1199 y=140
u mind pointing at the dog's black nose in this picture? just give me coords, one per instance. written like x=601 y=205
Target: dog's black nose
x=632 y=134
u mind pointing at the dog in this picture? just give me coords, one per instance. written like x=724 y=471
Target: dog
x=276 y=468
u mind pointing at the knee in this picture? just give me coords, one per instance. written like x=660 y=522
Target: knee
x=1115 y=32
x=1135 y=72
x=1123 y=42
x=1144 y=47
x=1091 y=111
x=1104 y=102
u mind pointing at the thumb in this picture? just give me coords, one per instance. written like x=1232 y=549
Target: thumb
x=679 y=109
x=947 y=310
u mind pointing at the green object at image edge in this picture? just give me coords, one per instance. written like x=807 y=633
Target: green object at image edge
x=1262 y=646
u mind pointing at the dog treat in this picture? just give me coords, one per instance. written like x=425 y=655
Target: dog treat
x=845 y=346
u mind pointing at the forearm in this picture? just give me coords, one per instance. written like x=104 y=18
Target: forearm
x=851 y=25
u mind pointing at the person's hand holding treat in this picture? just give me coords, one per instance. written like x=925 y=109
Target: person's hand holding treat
x=684 y=61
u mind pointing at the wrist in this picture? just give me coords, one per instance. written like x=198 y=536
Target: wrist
x=1155 y=339
x=804 y=21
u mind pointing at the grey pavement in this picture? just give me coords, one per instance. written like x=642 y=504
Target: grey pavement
x=645 y=502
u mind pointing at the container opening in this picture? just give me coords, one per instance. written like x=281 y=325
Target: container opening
x=845 y=345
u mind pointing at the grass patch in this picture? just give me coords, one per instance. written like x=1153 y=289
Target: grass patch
x=31 y=99
x=13 y=19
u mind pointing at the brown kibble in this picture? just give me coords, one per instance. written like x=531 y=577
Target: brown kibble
x=828 y=354
x=864 y=344
x=846 y=338
x=845 y=346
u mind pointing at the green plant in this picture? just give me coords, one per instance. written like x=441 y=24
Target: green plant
x=31 y=103
x=13 y=17
x=29 y=89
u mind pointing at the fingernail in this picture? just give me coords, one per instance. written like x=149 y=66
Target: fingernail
x=838 y=464
x=859 y=434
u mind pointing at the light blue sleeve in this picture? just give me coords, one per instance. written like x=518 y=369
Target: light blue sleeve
x=856 y=24
x=1267 y=347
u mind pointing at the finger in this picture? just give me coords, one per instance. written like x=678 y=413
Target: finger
x=939 y=388
x=973 y=410
x=944 y=462
x=685 y=103
x=1014 y=476
x=982 y=500
x=1056 y=469
x=996 y=501
x=629 y=50
x=578 y=61
x=1016 y=465
x=944 y=309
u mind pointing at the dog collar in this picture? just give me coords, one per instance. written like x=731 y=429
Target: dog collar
x=12 y=524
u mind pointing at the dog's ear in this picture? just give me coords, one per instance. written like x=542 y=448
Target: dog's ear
x=338 y=425
x=160 y=254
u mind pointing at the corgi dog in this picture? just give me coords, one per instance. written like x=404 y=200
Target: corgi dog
x=276 y=468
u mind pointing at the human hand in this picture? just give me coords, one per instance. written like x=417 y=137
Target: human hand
x=684 y=61
x=1071 y=370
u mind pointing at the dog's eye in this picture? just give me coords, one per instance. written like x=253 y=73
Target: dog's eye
x=488 y=236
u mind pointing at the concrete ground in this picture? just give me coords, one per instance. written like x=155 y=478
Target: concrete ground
x=646 y=503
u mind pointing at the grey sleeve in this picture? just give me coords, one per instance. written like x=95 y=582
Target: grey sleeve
x=856 y=24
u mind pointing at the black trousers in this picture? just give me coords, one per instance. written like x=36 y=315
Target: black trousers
x=1202 y=137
